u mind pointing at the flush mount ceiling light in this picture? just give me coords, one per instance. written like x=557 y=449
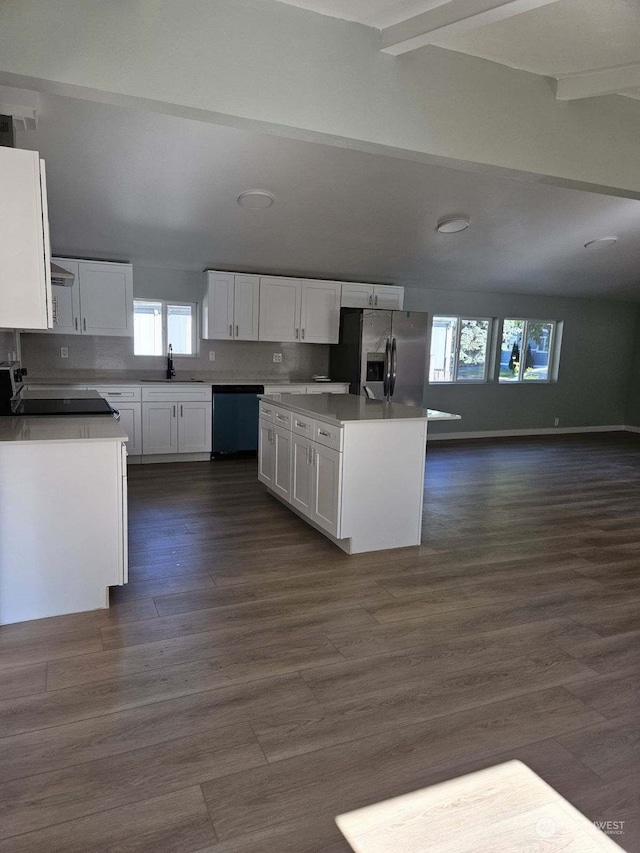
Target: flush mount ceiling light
x=256 y=199
x=452 y=224
x=601 y=243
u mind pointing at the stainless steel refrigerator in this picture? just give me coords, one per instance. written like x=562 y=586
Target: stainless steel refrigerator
x=384 y=350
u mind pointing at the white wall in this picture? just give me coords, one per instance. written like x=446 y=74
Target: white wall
x=267 y=65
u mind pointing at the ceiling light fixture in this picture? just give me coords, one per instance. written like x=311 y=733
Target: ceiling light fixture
x=601 y=243
x=452 y=224
x=256 y=199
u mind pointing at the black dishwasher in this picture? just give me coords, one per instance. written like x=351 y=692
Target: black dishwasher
x=235 y=419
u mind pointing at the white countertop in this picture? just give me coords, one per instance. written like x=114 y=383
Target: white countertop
x=114 y=380
x=346 y=408
x=24 y=430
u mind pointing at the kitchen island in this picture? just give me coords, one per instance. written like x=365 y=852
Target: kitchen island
x=353 y=468
x=63 y=514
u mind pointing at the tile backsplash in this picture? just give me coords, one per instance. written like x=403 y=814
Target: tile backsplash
x=110 y=357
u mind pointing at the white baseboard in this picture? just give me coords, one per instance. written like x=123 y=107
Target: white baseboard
x=514 y=433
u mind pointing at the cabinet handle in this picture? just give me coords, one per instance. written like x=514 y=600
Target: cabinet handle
x=322 y=432
x=371 y=299
x=306 y=451
x=54 y=309
x=297 y=333
x=315 y=456
x=231 y=330
x=237 y=331
x=300 y=424
x=84 y=323
x=281 y=417
x=303 y=334
x=375 y=301
x=76 y=322
x=174 y=411
x=181 y=410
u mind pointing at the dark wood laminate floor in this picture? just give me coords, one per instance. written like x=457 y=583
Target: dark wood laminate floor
x=252 y=681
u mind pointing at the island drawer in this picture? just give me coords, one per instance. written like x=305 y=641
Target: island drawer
x=282 y=417
x=328 y=434
x=266 y=411
x=182 y=392
x=302 y=425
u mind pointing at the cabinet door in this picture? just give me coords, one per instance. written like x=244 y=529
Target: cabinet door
x=266 y=453
x=279 y=309
x=320 y=312
x=357 y=295
x=130 y=417
x=106 y=299
x=246 y=307
x=25 y=285
x=302 y=474
x=194 y=427
x=327 y=488
x=66 y=302
x=159 y=428
x=217 y=306
x=388 y=296
x=282 y=463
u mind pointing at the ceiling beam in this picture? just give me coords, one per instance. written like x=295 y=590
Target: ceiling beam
x=605 y=81
x=451 y=18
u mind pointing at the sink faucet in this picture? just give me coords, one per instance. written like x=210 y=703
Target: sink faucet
x=170 y=370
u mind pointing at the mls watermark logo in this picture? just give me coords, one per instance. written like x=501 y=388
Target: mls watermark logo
x=610 y=827
x=545 y=827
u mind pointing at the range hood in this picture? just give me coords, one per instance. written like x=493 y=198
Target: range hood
x=61 y=277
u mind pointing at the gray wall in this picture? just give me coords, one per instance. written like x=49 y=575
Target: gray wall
x=7 y=344
x=105 y=357
x=598 y=348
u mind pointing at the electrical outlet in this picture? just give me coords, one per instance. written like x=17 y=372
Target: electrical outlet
x=277 y=357
x=556 y=422
x=212 y=355
x=64 y=352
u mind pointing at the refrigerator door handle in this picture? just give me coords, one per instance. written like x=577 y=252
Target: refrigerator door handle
x=394 y=366
x=386 y=384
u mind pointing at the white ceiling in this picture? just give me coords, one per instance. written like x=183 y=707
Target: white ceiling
x=161 y=191
x=554 y=38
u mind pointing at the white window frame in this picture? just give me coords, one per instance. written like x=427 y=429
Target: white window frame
x=195 y=338
x=554 y=352
x=456 y=357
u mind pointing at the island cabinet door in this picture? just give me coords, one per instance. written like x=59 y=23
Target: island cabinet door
x=266 y=453
x=160 y=428
x=282 y=445
x=302 y=474
x=327 y=488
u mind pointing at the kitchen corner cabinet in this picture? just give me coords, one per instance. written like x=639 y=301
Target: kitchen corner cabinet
x=230 y=306
x=99 y=302
x=380 y=296
x=299 y=310
x=25 y=262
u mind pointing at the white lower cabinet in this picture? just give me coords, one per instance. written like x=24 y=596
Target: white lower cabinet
x=131 y=423
x=194 y=427
x=302 y=475
x=303 y=472
x=327 y=488
x=160 y=428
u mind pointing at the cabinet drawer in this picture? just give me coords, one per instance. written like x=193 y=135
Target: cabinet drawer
x=328 y=434
x=184 y=392
x=266 y=411
x=282 y=417
x=57 y=388
x=302 y=425
x=122 y=393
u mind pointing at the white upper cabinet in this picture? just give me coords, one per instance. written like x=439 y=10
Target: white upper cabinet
x=320 y=312
x=246 y=307
x=280 y=309
x=66 y=302
x=303 y=310
x=98 y=302
x=230 y=307
x=387 y=296
x=25 y=262
x=106 y=299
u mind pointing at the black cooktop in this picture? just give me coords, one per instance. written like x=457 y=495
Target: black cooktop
x=62 y=406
